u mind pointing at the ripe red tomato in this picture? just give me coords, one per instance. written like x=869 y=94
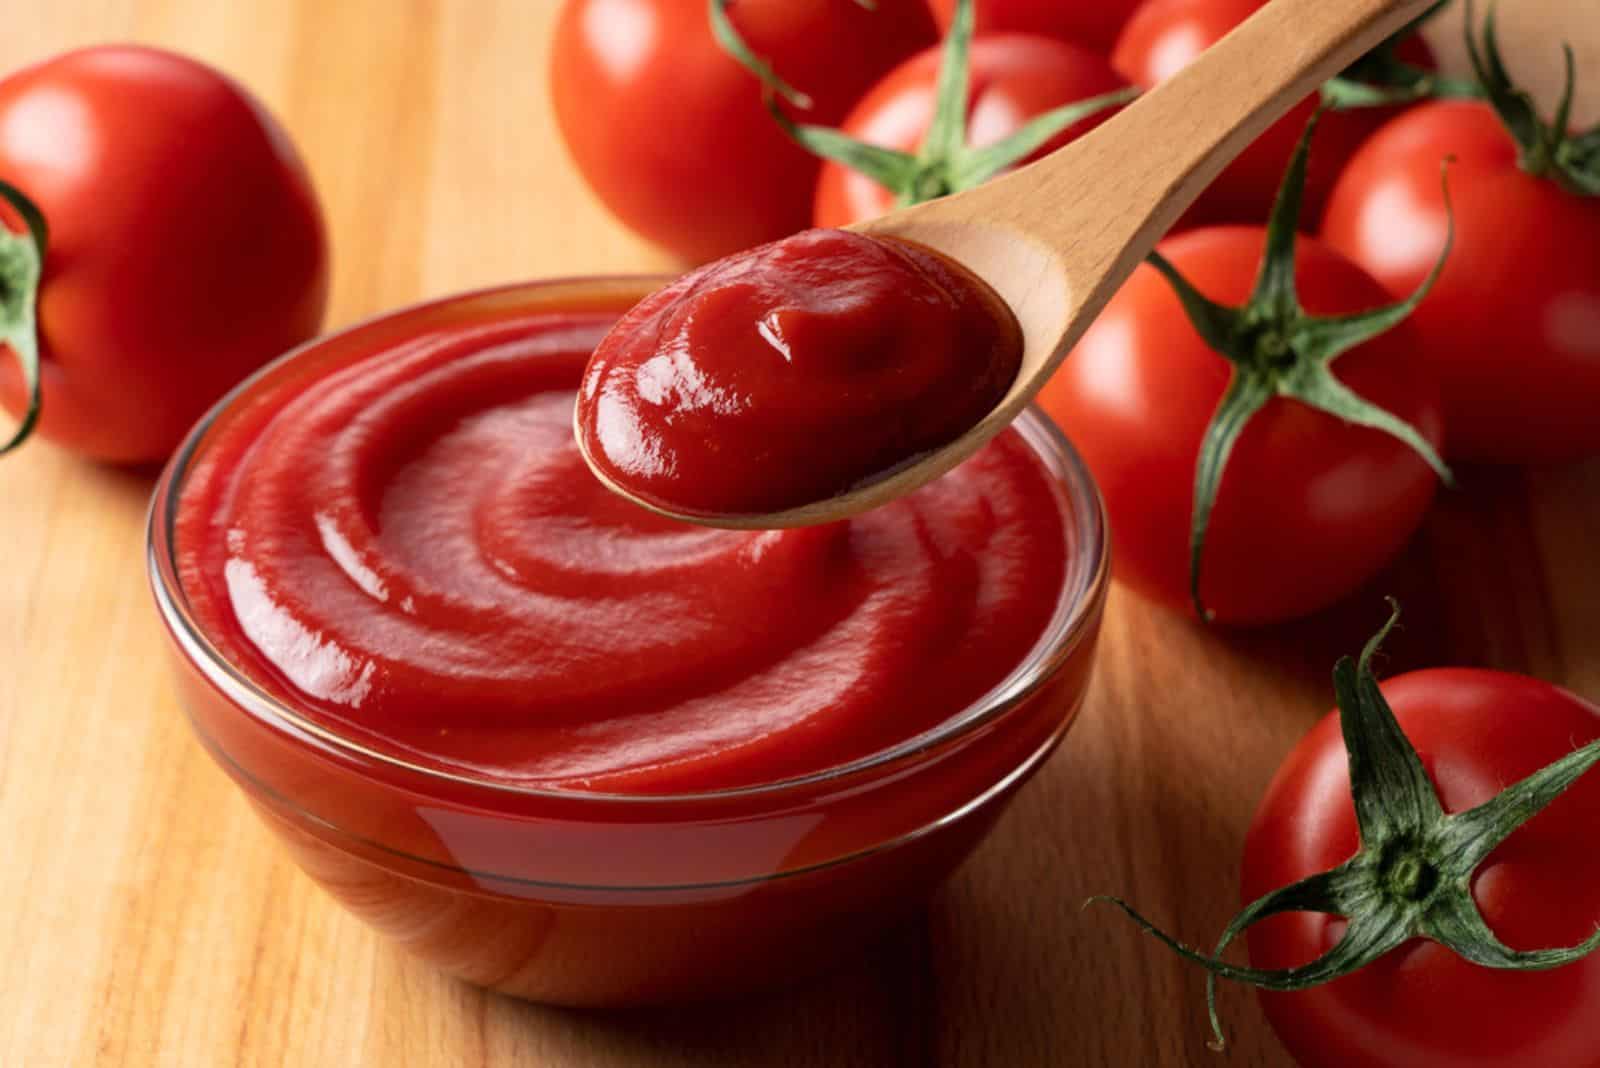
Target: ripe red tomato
x=1164 y=36
x=1422 y=1006
x=670 y=131
x=1090 y=22
x=1014 y=77
x=1309 y=506
x=1512 y=328
x=186 y=244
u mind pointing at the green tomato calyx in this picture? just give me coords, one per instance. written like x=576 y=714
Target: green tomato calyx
x=945 y=163
x=1382 y=79
x=21 y=267
x=1405 y=873
x=1412 y=875
x=929 y=184
x=1548 y=149
x=1277 y=349
x=1267 y=348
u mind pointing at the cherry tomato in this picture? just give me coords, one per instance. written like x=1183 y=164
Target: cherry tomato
x=186 y=245
x=1309 y=506
x=1512 y=328
x=670 y=131
x=1089 y=22
x=1164 y=36
x=1014 y=77
x=1422 y=1006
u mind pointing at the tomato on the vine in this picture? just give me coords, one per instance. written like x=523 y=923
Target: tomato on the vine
x=670 y=131
x=1262 y=443
x=1310 y=505
x=1014 y=78
x=1512 y=330
x=1423 y=1006
x=1090 y=22
x=1164 y=36
x=1420 y=881
x=185 y=246
x=946 y=120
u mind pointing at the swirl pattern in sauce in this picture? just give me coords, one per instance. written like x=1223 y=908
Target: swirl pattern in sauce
x=409 y=547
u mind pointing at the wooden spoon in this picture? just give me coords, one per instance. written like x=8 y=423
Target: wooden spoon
x=1057 y=239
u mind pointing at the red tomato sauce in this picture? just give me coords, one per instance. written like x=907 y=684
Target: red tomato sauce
x=793 y=372
x=407 y=545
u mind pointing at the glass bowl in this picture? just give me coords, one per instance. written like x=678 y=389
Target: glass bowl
x=585 y=898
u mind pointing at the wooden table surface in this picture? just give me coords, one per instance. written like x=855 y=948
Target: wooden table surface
x=149 y=920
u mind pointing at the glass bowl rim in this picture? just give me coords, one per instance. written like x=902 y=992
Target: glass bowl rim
x=1088 y=571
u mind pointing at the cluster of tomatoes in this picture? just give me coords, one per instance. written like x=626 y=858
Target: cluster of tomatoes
x=1500 y=362
x=1266 y=440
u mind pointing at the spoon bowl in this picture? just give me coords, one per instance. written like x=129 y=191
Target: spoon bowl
x=1057 y=239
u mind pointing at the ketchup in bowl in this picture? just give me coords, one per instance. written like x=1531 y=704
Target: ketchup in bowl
x=568 y=748
x=792 y=372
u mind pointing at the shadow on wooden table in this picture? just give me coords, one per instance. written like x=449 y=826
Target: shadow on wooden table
x=1470 y=585
x=838 y=1020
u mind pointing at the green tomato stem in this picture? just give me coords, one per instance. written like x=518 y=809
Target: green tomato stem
x=944 y=163
x=1278 y=350
x=947 y=133
x=1382 y=79
x=1548 y=150
x=975 y=166
x=727 y=36
x=1412 y=875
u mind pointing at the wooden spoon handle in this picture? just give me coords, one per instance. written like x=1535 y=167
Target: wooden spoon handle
x=1105 y=200
x=1168 y=146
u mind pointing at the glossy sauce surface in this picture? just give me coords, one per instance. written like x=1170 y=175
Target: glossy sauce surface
x=793 y=372
x=408 y=546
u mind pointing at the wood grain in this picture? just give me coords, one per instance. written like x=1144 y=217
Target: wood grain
x=150 y=921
